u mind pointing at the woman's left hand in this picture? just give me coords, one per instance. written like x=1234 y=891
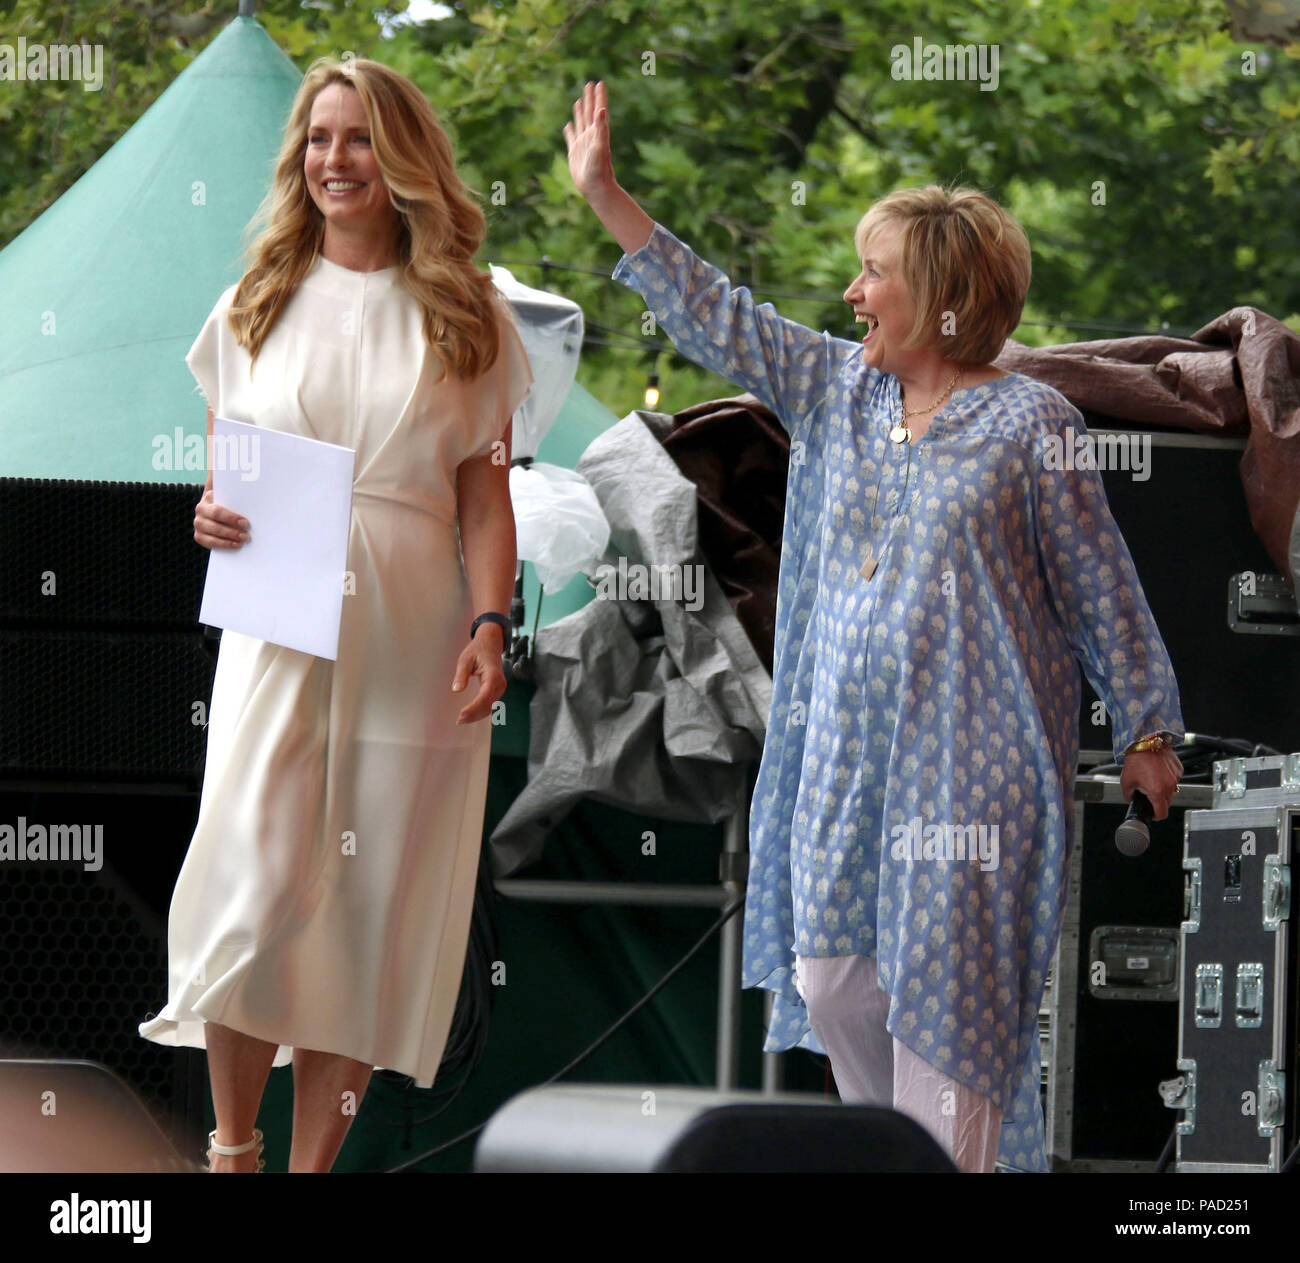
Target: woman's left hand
x=1155 y=773
x=481 y=657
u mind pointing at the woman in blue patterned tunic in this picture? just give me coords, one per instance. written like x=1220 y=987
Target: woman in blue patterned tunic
x=942 y=566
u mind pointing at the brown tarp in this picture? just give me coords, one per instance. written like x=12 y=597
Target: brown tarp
x=1238 y=375
x=737 y=454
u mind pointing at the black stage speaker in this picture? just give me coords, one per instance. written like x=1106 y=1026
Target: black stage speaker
x=83 y=943
x=575 y=1127
x=105 y=677
x=75 y=1116
x=105 y=672
x=1188 y=528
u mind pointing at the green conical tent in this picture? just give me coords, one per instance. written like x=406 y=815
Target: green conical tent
x=104 y=293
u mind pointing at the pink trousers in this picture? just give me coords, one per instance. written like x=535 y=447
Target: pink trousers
x=847 y=1012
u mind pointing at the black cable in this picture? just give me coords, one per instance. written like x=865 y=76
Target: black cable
x=537 y=615
x=1167 y=1153
x=809 y=297
x=630 y=339
x=591 y=1048
x=468 y=1037
x=1199 y=752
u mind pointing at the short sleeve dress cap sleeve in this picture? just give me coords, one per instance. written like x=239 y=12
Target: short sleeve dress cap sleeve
x=204 y=357
x=504 y=386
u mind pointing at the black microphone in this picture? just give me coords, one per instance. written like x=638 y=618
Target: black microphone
x=1134 y=835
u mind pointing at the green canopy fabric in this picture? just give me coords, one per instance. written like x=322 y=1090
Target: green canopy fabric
x=105 y=292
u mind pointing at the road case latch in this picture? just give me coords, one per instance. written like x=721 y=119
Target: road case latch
x=1277 y=891
x=1209 y=994
x=1192 y=895
x=1250 y=994
x=1232 y=777
x=1180 y=1094
x=1272 y=1097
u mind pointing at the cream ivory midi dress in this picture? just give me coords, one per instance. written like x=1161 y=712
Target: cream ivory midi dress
x=326 y=895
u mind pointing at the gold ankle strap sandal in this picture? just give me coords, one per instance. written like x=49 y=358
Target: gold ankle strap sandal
x=233 y=1151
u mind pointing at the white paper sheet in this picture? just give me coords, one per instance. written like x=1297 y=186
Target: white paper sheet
x=284 y=583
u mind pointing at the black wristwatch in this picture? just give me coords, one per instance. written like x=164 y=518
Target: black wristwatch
x=491 y=618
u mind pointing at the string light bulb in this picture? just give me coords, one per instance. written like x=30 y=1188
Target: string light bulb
x=652 y=391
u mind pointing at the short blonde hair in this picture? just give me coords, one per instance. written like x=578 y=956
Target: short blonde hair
x=962 y=255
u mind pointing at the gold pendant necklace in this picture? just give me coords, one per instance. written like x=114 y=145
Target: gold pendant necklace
x=900 y=433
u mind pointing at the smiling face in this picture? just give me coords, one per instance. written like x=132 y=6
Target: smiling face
x=342 y=174
x=882 y=304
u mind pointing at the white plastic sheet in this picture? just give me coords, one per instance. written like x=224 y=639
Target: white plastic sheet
x=551 y=329
x=560 y=526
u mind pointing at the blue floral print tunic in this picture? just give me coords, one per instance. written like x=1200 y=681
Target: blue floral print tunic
x=914 y=800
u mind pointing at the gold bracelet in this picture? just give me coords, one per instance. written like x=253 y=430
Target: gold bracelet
x=1157 y=742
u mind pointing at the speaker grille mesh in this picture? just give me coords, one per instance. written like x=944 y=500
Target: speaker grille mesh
x=82 y=963
x=95 y=704
x=118 y=554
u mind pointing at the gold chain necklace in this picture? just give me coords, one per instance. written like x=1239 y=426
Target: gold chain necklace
x=900 y=433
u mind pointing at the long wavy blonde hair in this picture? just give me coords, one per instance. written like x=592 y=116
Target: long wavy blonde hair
x=439 y=226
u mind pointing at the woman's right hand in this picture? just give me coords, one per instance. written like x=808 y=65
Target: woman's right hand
x=587 y=136
x=215 y=527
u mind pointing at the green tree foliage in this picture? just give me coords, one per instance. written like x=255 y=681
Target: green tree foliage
x=1151 y=159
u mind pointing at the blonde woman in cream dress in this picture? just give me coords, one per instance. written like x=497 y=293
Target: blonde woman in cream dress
x=321 y=916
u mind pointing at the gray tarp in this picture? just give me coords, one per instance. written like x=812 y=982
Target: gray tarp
x=642 y=704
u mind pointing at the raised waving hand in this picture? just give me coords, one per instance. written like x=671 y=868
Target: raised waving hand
x=592 y=169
